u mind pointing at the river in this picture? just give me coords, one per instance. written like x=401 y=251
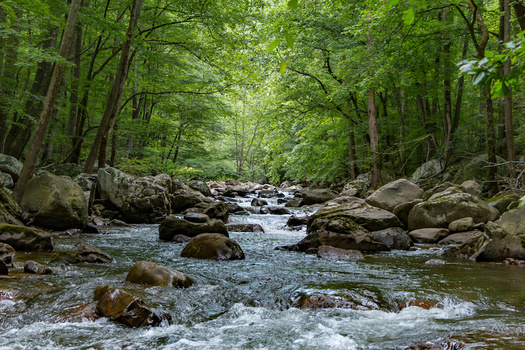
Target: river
x=253 y=303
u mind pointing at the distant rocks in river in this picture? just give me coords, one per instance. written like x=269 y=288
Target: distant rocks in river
x=245 y=228
x=328 y=252
x=173 y=226
x=91 y=254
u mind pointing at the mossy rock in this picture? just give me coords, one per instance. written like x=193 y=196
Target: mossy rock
x=212 y=246
x=24 y=238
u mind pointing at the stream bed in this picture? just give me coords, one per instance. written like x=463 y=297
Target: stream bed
x=254 y=303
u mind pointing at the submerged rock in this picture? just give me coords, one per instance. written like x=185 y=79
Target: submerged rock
x=173 y=226
x=245 y=228
x=212 y=246
x=55 y=202
x=328 y=252
x=31 y=266
x=122 y=307
x=150 y=273
x=25 y=238
x=91 y=254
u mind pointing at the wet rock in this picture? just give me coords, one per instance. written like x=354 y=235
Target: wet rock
x=172 y=226
x=6 y=180
x=462 y=237
x=435 y=262
x=77 y=313
x=461 y=225
x=394 y=238
x=125 y=308
x=212 y=246
x=370 y=217
x=90 y=228
x=218 y=210
x=257 y=202
x=394 y=193
x=3 y=268
x=36 y=268
x=428 y=235
x=183 y=200
x=10 y=211
x=236 y=190
x=140 y=200
x=363 y=300
x=91 y=254
x=316 y=196
x=150 y=273
x=403 y=210
x=55 y=202
x=245 y=228
x=234 y=208
x=511 y=261
x=200 y=186
x=181 y=239
x=297 y=220
x=500 y=245
x=62 y=257
x=445 y=207
x=445 y=344
x=196 y=217
x=328 y=252
x=7 y=253
x=23 y=238
x=274 y=209
x=294 y=202
x=424 y=304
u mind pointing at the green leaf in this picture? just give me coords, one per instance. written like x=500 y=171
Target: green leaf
x=283 y=67
x=273 y=45
x=409 y=16
x=489 y=54
x=392 y=3
x=292 y=4
x=289 y=40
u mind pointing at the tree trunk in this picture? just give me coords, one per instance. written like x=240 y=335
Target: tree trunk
x=52 y=93
x=115 y=95
x=22 y=128
x=351 y=154
x=509 y=128
x=73 y=99
x=491 y=144
x=519 y=8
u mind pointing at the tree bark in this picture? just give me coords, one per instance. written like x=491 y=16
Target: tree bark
x=115 y=95
x=509 y=128
x=52 y=93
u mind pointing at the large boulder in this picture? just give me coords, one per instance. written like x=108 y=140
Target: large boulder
x=513 y=221
x=173 y=226
x=25 y=238
x=445 y=207
x=394 y=193
x=138 y=199
x=150 y=273
x=503 y=200
x=316 y=196
x=500 y=245
x=125 y=308
x=429 y=169
x=10 y=165
x=54 y=202
x=356 y=209
x=212 y=246
x=394 y=238
x=10 y=211
x=428 y=235
x=218 y=210
x=184 y=199
x=476 y=169
x=200 y=186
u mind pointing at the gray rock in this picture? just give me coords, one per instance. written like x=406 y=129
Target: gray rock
x=297 y=220
x=274 y=209
x=403 y=210
x=258 y=202
x=91 y=254
x=394 y=193
x=461 y=225
x=6 y=180
x=7 y=253
x=502 y=201
x=10 y=211
x=445 y=207
x=328 y=252
x=218 y=210
x=428 y=235
x=513 y=221
x=316 y=196
x=196 y=217
x=139 y=200
x=370 y=217
x=394 y=238
x=33 y=267
x=429 y=169
x=150 y=273
x=501 y=245
x=472 y=187
x=200 y=186
x=435 y=262
x=10 y=165
x=173 y=226
x=55 y=202
x=462 y=237
x=295 y=202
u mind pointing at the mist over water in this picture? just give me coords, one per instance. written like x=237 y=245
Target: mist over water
x=253 y=303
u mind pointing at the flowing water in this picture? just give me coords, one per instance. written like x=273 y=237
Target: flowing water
x=253 y=303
